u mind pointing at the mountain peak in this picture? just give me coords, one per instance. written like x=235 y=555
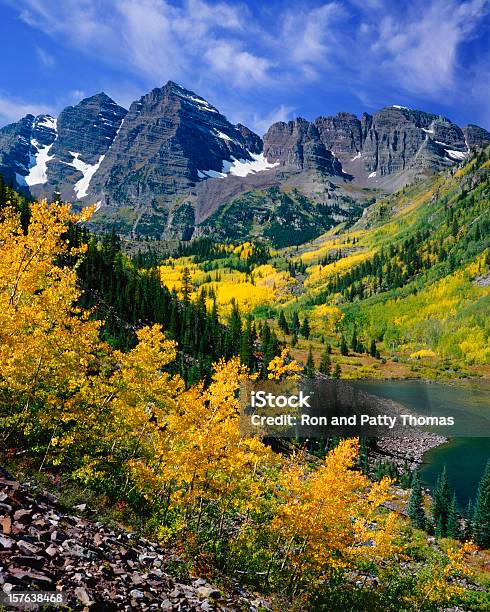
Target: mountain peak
x=99 y=98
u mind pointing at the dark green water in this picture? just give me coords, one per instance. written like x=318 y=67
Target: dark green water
x=465 y=455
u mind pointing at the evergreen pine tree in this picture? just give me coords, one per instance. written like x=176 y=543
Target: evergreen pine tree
x=283 y=324
x=234 y=334
x=247 y=344
x=295 y=325
x=186 y=285
x=468 y=520
x=305 y=328
x=363 y=457
x=373 y=349
x=343 y=347
x=441 y=501
x=453 y=530
x=309 y=370
x=325 y=363
x=406 y=478
x=415 y=507
x=354 y=341
x=337 y=373
x=481 y=516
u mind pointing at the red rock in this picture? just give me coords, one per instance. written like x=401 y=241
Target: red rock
x=6 y=524
x=52 y=550
x=83 y=596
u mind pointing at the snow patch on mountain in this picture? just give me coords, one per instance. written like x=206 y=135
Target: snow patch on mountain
x=210 y=174
x=46 y=121
x=243 y=167
x=88 y=170
x=221 y=135
x=201 y=103
x=38 y=165
x=372 y=175
x=452 y=153
x=457 y=155
x=240 y=167
x=37 y=170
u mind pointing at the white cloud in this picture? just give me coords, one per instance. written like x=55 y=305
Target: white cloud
x=420 y=50
x=242 y=67
x=261 y=124
x=154 y=38
x=45 y=59
x=11 y=109
x=312 y=34
x=376 y=49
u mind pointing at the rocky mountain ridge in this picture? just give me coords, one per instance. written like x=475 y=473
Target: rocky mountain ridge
x=376 y=147
x=172 y=160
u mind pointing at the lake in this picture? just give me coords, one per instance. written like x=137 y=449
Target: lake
x=464 y=456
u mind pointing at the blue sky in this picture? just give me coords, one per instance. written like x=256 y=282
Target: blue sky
x=257 y=61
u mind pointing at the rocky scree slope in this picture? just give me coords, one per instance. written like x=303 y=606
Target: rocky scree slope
x=43 y=548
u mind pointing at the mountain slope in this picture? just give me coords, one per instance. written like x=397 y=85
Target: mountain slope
x=42 y=154
x=414 y=271
x=45 y=546
x=283 y=217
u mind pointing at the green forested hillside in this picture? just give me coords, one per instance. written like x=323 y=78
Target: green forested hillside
x=412 y=274
x=279 y=217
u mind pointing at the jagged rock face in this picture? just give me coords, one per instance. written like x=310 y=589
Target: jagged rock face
x=341 y=134
x=391 y=141
x=43 y=154
x=85 y=133
x=88 y=128
x=298 y=144
x=284 y=142
x=171 y=138
x=253 y=142
x=476 y=136
x=15 y=147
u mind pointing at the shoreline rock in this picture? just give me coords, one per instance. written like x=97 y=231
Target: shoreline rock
x=408 y=451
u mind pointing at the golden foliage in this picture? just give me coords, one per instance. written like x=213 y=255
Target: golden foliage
x=319 y=506
x=321 y=272
x=282 y=366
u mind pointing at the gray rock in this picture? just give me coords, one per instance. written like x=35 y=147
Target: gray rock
x=72 y=549
x=207 y=592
